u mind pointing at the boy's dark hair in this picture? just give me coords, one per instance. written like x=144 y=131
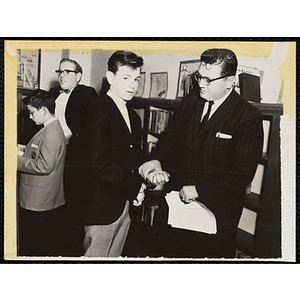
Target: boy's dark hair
x=124 y=58
x=78 y=68
x=225 y=57
x=41 y=98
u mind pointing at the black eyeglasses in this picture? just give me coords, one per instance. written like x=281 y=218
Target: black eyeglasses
x=65 y=72
x=207 y=81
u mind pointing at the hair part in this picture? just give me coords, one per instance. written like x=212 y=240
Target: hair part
x=40 y=98
x=78 y=68
x=124 y=58
x=225 y=57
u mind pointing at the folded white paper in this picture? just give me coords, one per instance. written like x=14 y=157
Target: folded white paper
x=194 y=216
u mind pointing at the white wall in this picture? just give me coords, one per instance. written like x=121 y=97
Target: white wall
x=49 y=63
x=99 y=68
x=164 y=63
x=85 y=60
x=95 y=66
x=271 y=82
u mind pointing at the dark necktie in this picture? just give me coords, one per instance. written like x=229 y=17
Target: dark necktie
x=205 y=118
x=64 y=91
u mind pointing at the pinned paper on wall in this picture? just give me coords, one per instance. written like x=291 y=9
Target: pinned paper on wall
x=194 y=216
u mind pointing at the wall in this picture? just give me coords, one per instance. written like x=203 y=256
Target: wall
x=49 y=63
x=270 y=66
x=164 y=63
x=271 y=81
x=85 y=60
x=95 y=66
x=99 y=68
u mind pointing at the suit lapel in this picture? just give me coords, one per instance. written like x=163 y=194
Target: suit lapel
x=42 y=130
x=37 y=135
x=131 y=113
x=195 y=116
x=72 y=102
x=117 y=116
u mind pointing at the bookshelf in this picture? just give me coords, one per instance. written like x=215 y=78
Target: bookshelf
x=259 y=230
x=155 y=115
x=26 y=127
x=262 y=208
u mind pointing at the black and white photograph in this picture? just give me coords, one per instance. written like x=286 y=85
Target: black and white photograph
x=195 y=164
x=159 y=85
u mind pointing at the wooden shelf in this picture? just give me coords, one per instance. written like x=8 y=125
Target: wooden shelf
x=159 y=103
x=252 y=201
x=264 y=158
x=157 y=135
x=246 y=242
x=266 y=242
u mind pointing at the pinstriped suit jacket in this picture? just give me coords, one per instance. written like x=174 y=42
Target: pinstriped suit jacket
x=220 y=160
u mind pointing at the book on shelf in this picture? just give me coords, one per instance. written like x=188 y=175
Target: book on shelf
x=158 y=120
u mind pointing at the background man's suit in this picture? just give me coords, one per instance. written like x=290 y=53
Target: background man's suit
x=41 y=190
x=80 y=98
x=220 y=160
x=112 y=157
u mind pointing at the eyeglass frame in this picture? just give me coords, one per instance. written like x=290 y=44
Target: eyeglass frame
x=59 y=72
x=207 y=80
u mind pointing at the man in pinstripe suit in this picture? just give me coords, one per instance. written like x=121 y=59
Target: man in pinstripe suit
x=210 y=150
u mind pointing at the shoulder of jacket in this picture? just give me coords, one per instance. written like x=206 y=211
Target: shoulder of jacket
x=82 y=87
x=54 y=127
x=246 y=105
x=189 y=101
x=100 y=105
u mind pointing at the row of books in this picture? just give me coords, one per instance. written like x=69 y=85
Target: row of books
x=158 y=120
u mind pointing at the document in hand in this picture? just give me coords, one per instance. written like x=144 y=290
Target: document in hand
x=194 y=216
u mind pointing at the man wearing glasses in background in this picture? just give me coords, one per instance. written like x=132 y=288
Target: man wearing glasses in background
x=72 y=99
x=211 y=149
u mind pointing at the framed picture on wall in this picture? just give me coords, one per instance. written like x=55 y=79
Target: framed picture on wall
x=159 y=85
x=140 y=90
x=186 y=80
x=29 y=69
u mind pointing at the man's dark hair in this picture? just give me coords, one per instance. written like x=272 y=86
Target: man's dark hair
x=41 y=98
x=78 y=68
x=124 y=58
x=225 y=57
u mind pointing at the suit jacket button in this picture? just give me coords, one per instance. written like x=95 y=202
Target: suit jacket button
x=131 y=146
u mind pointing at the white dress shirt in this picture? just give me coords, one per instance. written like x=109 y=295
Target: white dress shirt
x=60 y=109
x=121 y=104
x=216 y=105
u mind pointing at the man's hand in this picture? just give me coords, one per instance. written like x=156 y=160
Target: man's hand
x=158 y=177
x=148 y=167
x=188 y=193
x=140 y=196
x=152 y=171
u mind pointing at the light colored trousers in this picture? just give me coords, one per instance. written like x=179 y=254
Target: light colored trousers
x=107 y=240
